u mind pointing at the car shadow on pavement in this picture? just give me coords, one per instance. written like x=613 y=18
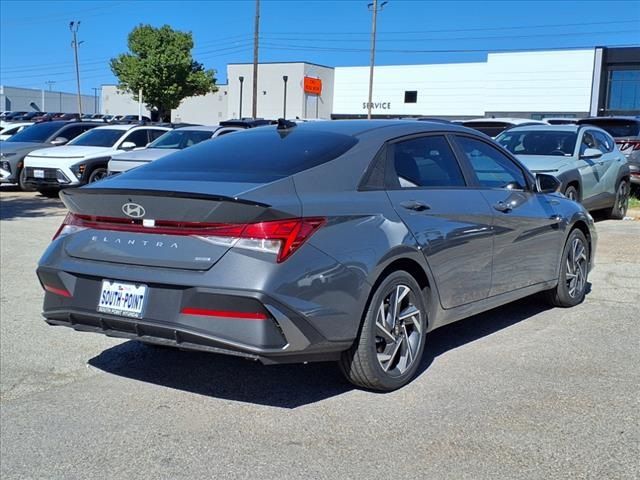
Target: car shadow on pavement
x=284 y=386
x=16 y=204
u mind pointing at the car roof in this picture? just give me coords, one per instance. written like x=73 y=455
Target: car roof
x=357 y=128
x=547 y=127
x=124 y=126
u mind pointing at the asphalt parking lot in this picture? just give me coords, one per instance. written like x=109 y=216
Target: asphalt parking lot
x=523 y=391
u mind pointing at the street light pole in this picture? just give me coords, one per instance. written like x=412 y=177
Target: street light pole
x=254 y=107
x=241 y=78
x=374 y=8
x=73 y=26
x=284 y=108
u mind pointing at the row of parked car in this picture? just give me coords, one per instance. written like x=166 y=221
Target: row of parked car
x=597 y=160
x=52 y=155
x=38 y=116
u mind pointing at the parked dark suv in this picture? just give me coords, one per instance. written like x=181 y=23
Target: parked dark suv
x=39 y=135
x=626 y=132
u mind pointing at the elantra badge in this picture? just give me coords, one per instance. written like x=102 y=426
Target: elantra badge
x=133 y=210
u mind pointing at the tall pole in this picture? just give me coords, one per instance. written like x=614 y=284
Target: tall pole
x=140 y=106
x=73 y=26
x=374 y=8
x=241 y=78
x=256 y=31
x=284 y=107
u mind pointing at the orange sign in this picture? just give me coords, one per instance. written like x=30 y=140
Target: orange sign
x=312 y=85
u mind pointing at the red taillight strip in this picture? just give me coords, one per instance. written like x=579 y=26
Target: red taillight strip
x=224 y=313
x=58 y=291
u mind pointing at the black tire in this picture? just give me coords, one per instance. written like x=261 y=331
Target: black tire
x=22 y=181
x=619 y=209
x=572 y=193
x=97 y=174
x=49 y=192
x=562 y=295
x=362 y=364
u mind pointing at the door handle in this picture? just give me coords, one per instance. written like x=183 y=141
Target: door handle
x=502 y=207
x=415 y=205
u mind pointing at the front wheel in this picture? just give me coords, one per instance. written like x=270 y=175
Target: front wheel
x=22 y=181
x=571 y=193
x=621 y=204
x=387 y=352
x=574 y=269
x=97 y=174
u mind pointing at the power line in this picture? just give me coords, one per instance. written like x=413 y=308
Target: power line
x=519 y=27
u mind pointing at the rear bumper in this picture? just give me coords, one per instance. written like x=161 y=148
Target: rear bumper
x=284 y=336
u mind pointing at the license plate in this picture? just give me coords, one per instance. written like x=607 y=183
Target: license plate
x=38 y=173
x=124 y=299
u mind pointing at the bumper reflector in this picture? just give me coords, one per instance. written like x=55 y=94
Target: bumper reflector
x=58 y=291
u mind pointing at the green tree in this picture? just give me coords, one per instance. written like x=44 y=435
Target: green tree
x=160 y=63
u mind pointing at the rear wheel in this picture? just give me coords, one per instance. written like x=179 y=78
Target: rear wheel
x=571 y=192
x=387 y=352
x=619 y=209
x=574 y=269
x=97 y=174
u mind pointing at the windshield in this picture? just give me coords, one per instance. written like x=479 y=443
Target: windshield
x=539 y=142
x=616 y=128
x=98 y=137
x=180 y=139
x=38 y=133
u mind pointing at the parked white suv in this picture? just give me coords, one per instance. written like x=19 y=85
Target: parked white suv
x=11 y=129
x=84 y=159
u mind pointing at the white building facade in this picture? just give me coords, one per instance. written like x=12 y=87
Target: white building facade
x=528 y=84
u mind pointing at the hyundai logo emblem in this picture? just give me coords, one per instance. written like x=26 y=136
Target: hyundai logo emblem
x=133 y=210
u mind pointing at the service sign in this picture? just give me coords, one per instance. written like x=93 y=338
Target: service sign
x=312 y=86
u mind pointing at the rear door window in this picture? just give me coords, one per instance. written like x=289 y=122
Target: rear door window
x=492 y=168
x=425 y=162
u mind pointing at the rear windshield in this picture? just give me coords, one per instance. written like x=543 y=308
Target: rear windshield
x=539 y=142
x=258 y=155
x=38 y=133
x=180 y=139
x=617 y=127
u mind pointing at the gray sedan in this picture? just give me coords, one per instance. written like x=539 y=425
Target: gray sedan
x=170 y=142
x=345 y=241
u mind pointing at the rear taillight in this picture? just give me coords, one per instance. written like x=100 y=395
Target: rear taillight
x=280 y=237
x=629 y=144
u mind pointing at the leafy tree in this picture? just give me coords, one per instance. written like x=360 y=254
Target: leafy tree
x=160 y=63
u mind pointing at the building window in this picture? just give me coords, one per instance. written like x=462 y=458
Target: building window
x=410 y=96
x=624 y=90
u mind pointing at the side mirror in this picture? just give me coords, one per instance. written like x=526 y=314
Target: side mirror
x=59 y=141
x=591 y=153
x=127 y=146
x=547 y=183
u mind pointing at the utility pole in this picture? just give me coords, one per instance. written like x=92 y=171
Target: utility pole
x=256 y=31
x=73 y=26
x=95 y=99
x=374 y=8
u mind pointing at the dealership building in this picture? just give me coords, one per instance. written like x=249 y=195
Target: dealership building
x=529 y=84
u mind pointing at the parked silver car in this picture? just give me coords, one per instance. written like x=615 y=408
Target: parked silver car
x=170 y=142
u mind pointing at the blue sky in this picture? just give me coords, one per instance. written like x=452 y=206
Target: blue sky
x=35 y=38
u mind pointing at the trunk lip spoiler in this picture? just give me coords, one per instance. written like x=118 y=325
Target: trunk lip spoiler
x=156 y=193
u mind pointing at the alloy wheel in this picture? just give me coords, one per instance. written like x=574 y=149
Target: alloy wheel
x=398 y=334
x=577 y=264
x=622 y=199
